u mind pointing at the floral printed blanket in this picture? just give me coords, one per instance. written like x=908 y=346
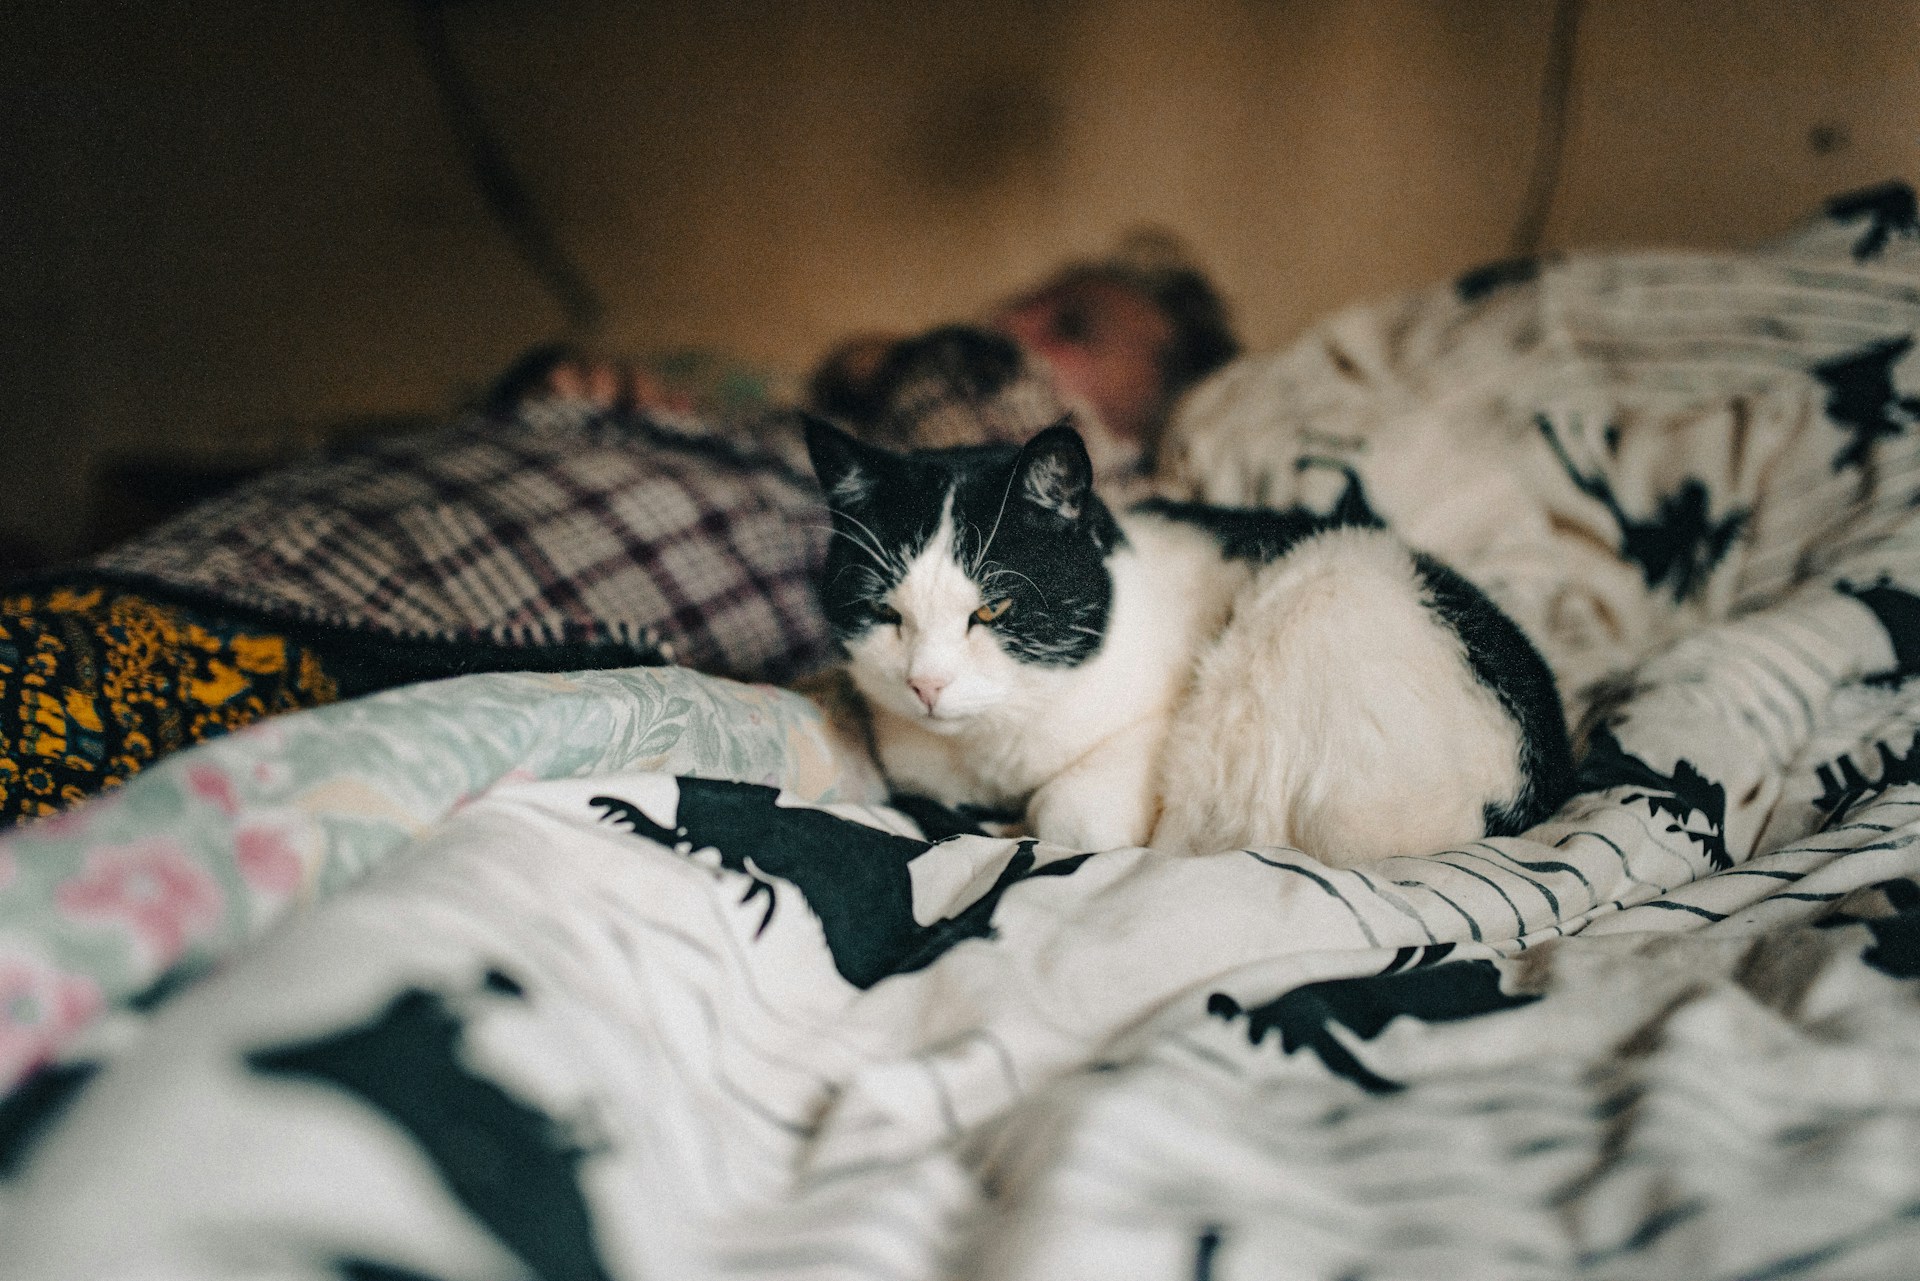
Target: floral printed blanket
x=208 y=849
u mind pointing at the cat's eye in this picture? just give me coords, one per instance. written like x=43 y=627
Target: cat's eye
x=993 y=609
x=886 y=613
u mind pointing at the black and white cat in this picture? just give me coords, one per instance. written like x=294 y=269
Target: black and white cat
x=1190 y=677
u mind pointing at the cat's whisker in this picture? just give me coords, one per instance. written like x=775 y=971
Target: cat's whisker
x=871 y=545
x=997 y=572
x=873 y=542
x=970 y=563
x=980 y=560
x=868 y=544
x=875 y=588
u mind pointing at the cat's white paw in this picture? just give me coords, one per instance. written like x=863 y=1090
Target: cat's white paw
x=1089 y=818
x=1107 y=799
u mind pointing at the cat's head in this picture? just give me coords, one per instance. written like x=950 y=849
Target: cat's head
x=957 y=578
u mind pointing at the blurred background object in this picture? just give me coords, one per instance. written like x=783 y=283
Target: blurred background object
x=222 y=217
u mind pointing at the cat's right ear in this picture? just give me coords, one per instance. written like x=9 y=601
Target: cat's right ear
x=1054 y=473
x=847 y=469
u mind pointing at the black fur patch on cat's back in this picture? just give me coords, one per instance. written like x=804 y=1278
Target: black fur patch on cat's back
x=1252 y=533
x=1506 y=662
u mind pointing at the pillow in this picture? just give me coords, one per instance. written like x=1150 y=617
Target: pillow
x=557 y=525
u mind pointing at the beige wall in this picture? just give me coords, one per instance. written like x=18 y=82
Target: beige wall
x=220 y=218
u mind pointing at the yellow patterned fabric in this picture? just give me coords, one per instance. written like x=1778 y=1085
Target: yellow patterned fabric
x=97 y=683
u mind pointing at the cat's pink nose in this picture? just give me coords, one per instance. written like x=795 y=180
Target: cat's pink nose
x=928 y=688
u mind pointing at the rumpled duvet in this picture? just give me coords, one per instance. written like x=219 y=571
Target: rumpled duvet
x=630 y=975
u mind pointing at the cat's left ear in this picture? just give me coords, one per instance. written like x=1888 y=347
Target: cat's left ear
x=1054 y=472
x=847 y=468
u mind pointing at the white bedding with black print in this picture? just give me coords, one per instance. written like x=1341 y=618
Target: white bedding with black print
x=636 y=1026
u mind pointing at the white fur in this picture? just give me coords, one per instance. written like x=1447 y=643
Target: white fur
x=1336 y=714
x=1317 y=704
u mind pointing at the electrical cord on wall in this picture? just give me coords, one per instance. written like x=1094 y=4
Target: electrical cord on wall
x=1550 y=135
x=507 y=195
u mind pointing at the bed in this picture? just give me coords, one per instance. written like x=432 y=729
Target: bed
x=632 y=973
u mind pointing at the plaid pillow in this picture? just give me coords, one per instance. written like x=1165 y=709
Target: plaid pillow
x=558 y=525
